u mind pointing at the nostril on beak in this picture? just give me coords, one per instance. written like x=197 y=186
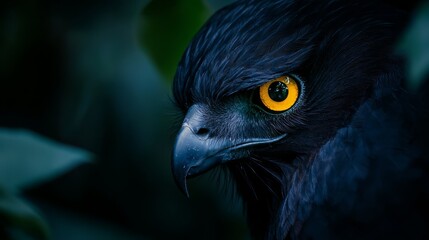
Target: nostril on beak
x=203 y=132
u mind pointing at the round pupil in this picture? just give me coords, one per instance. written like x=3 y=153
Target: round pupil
x=278 y=91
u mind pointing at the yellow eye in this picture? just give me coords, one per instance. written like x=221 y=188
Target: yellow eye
x=279 y=94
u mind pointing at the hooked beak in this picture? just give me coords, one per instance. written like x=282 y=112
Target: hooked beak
x=196 y=150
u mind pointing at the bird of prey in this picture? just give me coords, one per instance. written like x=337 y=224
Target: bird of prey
x=304 y=104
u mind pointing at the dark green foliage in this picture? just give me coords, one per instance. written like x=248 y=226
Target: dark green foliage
x=415 y=47
x=166 y=29
x=27 y=159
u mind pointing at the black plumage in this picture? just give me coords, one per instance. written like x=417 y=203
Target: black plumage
x=347 y=161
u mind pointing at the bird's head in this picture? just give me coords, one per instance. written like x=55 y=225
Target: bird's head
x=265 y=84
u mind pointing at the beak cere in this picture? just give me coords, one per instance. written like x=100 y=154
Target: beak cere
x=197 y=150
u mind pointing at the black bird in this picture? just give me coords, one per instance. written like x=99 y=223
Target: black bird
x=303 y=102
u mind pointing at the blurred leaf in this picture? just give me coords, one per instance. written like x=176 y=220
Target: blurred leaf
x=167 y=27
x=415 y=46
x=17 y=215
x=27 y=158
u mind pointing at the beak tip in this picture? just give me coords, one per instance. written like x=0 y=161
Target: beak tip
x=185 y=191
x=180 y=177
x=183 y=186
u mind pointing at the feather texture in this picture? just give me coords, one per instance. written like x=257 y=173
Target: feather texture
x=351 y=166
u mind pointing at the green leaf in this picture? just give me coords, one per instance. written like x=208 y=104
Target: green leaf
x=27 y=158
x=415 y=47
x=167 y=27
x=18 y=217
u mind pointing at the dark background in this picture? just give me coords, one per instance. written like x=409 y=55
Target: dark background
x=76 y=72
